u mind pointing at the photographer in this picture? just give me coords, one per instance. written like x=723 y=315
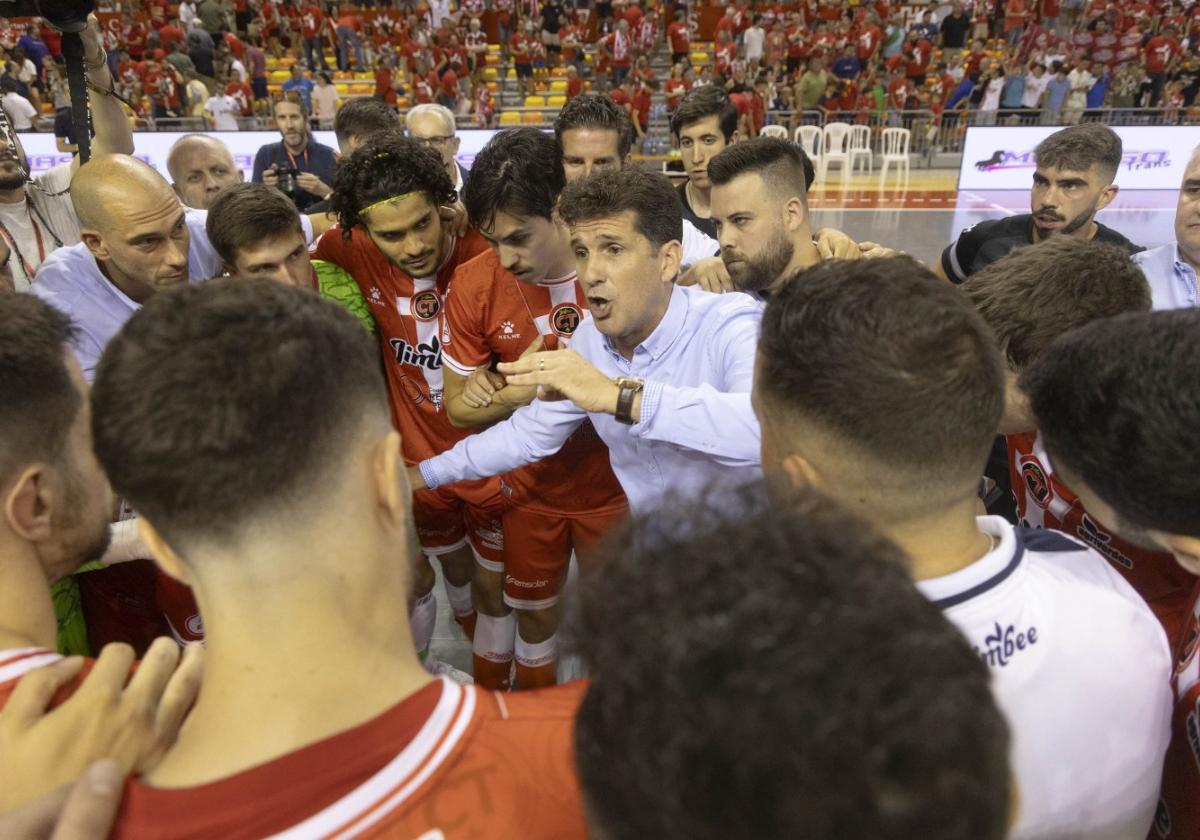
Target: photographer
x=298 y=166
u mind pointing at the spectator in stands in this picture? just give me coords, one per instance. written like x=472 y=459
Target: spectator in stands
x=326 y=101
x=1036 y=82
x=180 y=60
x=305 y=165
x=676 y=85
x=20 y=110
x=679 y=37
x=221 y=112
x=200 y=167
x=754 y=42
x=847 y=66
x=301 y=84
x=211 y=16
x=201 y=56
x=349 y=29
x=434 y=126
x=811 y=85
x=1057 y=90
x=665 y=747
x=196 y=93
x=256 y=67
x=551 y=23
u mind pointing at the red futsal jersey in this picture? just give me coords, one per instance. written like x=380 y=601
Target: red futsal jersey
x=447 y=762
x=1044 y=502
x=407 y=310
x=491 y=316
x=1178 y=813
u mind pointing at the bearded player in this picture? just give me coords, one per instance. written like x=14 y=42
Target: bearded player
x=520 y=297
x=388 y=197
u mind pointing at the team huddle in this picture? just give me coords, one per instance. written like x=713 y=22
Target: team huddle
x=866 y=548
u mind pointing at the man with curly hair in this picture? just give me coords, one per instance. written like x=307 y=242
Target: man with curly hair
x=390 y=197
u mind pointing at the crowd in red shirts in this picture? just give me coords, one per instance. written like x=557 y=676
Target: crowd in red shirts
x=1056 y=58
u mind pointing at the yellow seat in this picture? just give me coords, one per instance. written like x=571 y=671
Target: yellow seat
x=279 y=76
x=510 y=118
x=559 y=85
x=491 y=73
x=493 y=48
x=402 y=102
x=558 y=72
x=364 y=74
x=361 y=89
x=494 y=87
x=699 y=57
x=342 y=88
x=287 y=61
x=532 y=118
x=512 y=73
x=556 y=101
x=535 y=101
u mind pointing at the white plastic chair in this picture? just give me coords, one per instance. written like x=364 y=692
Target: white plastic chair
x=895 y=150
x=779 y=131
x=808 y=137
x=860 y=147
x=836 y=141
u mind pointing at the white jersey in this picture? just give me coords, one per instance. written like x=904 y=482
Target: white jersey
x=1081 y=670
x=697 y=245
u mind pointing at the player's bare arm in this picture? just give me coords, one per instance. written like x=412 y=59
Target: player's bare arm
x=485 y=397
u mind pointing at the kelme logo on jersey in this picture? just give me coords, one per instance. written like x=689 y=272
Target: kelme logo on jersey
x=426 y=305
x=1036 y=482
x=1091 y=534
x=565 y=318
x=1003 y=643
x=428 y=356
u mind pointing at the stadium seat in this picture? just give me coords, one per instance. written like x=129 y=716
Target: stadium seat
x=279 y=76
x=491 y=73
x=512 y=73
x=532 y=117
x=699 y=58
x=362 y=89
x=558 y=86
x=342 y=88
x=535 y=101
x=493 y=48
x=558 y=72
x=494 y=87
x=556 y=101
x=402 y=102
x=777 y=131
x=365 y=75
x=510 y=118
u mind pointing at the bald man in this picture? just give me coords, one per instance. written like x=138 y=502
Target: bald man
x=201 y=166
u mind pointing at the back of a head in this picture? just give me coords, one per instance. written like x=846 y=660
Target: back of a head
x=1035 y=294
x=1078 y=148
x=220 y=405
x=441 y=111
x=649 y=196
x=1118 y=404
x=38 y=400
x=858 y=711
x=702 y=102
x=598 y=112
x=387 y=165
x=518 y=172
x=891 y=370
x=244 y=215
x=780 y=163
x=362 y=117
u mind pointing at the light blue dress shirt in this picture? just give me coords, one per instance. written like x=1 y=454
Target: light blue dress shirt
x=1172 y=279
x=697 y=432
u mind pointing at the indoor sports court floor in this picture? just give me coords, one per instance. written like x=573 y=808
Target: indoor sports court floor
x=921 y=218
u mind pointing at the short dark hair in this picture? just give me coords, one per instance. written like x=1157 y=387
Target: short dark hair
x=701 y=103
x=1035 y=294
x=1118 y=403
x=595 y=110
x=1077 y=148
x=387 y=165
x=884 y=356
x=518 y=171
x=40 y=402
x=658 y=215
x=363 y=116
x=202 y=453
x=779 y=162
x=291 y=97
x=243 y=215
x=856 y=711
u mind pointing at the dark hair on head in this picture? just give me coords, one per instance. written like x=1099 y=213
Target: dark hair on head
x=658 y=215
x=1077 y=148
x=595 y=111
x=517 y=172
x=779 y=162
x=1118 y=403
x=701 y=103
x=363 y=116
x=201 y=453
x=1035 y=294
x=871 y=715
x=39 y=402
x=387 y=165
x=891 y=363
x=243 y=215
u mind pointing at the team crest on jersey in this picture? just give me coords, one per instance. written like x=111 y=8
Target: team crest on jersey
x=426 y=305
x=565 y=319
x=1036 y=482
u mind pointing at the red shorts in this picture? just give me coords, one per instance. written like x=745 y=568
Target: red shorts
x=537 y=551
x=469 y=511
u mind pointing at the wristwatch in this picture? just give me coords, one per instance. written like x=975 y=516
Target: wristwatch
x=627 y=387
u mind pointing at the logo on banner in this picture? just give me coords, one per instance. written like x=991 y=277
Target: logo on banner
x=1133 y=161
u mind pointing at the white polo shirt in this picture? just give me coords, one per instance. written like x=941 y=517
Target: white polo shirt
x=1082 y=672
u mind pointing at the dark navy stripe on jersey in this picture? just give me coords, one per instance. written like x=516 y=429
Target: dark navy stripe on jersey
x=1043 y=539
x=992 y=582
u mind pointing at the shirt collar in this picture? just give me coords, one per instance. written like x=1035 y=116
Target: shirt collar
x=1181 y=264
x=986 y=573
x=668 y=329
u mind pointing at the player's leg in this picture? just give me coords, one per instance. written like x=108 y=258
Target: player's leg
x=537 y=550
x=440 y=532
x=458 y=569
x=495 y=625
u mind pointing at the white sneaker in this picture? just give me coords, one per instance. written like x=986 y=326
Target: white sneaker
x=439 y=668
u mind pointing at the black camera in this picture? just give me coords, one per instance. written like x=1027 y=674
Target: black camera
x=286 y=182
x=65 y=15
